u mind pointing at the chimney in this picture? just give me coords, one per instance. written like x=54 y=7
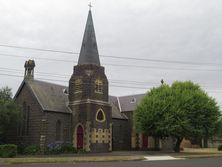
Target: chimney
x=29 y=69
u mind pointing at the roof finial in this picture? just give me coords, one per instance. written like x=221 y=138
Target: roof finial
x=162 y=81
x=90 y=5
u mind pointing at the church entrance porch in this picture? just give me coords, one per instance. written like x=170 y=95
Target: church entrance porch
x=79 y=137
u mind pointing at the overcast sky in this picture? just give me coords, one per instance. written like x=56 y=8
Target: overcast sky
x=172 y=30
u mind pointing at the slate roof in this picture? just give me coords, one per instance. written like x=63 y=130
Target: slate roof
x=115 y=109
x=51 y=97
x=129 y=103
x=89 y=52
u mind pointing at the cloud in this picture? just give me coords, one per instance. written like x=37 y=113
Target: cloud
x=185 y=30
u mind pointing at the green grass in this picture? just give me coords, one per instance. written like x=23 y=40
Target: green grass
x=200 y=153
x=190 y=156
x=70 y=159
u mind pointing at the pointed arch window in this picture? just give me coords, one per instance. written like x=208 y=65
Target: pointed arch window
x=58 y=130
x=98 y=86
x=27 y=120
x=100 y=116
x=23 y=129
x=23 y=122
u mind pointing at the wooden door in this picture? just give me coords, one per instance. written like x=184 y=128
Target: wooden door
x=79 y=137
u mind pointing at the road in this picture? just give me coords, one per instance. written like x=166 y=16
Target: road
x=204 y=162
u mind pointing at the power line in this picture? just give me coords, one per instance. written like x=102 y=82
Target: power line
x=40 y=58
x=111 y=81
x=65 y=76
x=111 y=85
x=117 y=65
x=47 y=79
x=115 y=57
x=164 y=61
x=37 y=49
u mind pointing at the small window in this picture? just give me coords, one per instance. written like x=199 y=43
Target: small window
x=78 y=85
x=65 y=91
x=98 y=86
x=100 y=116
x=133 y=100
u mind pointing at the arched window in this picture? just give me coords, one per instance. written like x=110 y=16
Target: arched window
x=24 y=126
x=98 y=86
x=27 y=120
x=78 y=86
x=23 y=122
x=100 y=116
x=58 y=130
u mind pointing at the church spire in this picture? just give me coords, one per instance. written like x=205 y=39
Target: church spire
x=89 y=52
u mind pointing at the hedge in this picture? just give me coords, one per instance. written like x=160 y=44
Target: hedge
x=32 y=150
x=60 y=148
x=220 y=148
x=8 y=150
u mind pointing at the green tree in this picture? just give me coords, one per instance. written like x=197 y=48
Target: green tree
x=10 y=114
x=183 y=110
x=219 y=130
x=149 y=117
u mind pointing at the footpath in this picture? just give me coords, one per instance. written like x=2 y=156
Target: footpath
x=114 y=156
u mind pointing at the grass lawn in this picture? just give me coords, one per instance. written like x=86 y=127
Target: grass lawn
x=70 y=159
x=199 y=153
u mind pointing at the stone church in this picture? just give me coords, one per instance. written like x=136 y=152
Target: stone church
x=83 y=113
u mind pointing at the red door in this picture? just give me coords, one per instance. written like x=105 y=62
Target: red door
x=79 y=137
x=145 y=141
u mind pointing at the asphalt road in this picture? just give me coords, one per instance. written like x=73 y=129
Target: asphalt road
x=204 y=162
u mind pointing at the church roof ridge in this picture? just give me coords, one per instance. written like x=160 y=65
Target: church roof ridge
x=52 y=98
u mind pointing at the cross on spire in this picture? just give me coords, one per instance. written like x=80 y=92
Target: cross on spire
x=90 y=5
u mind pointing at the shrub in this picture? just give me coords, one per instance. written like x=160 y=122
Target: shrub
x=220 y=148
x=21 y=148
x=68 y=148
x=8 y=150
x=32 y=150
x=82 y=151
x=53 y=148
x=59 y=148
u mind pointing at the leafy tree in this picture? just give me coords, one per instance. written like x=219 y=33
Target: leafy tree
x=201 y=110
x=219 y=129
x=10 y=114
x=149 y=117
x=182 y=110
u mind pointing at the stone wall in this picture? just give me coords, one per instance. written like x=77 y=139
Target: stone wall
x=50 y=128
x=42 y=124
x=35 y=117
x=121 y=135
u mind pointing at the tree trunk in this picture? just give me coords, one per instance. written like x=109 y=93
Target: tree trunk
x=205 y=142
x=177 y=145
x=206 y=138
x=156 y=143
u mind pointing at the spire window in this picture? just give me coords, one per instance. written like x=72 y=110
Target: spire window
x=98 y=86
x=78 y=86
